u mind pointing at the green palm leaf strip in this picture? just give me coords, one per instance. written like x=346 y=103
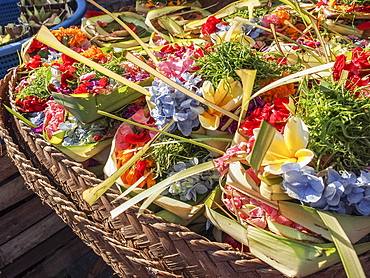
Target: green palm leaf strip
x=128 y=29
x=246 y=21
x=347 y=253
x=46 y=37
x=129 y=56
x=263 y=141
x=294 y=78
x=94 y=193
x=195 y=142
x=161 y=186
x=19 y=116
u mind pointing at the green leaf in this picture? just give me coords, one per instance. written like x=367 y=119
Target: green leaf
x=94 y=193
x=85 y=107
x=356 y=227
x=347 y=253
x=162 y=132
x=46 y=37
x=263 y=141
x=128 y=29
x=162 y=185
x=19 y=116
x=154 y=72
x=291 y=257
x=83 y=153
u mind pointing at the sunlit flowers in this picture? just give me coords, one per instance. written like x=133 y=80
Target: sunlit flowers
x=302 y=183
x=228 y=95
x=288 y=147
x=72 y=36
x=171 y=104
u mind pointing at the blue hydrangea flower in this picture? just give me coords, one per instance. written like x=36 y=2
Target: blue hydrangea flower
x=342 y=193
x=333 y=192
x=189 y=188
x=171 y=104
x=364 y=179
x=301 y=183
x=252 y=31
x=36 y=118
x=79 y=134
x=363 y=206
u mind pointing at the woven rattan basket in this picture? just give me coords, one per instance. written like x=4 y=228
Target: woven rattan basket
x=145 y=246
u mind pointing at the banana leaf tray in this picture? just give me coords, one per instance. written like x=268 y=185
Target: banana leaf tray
x=145 y=246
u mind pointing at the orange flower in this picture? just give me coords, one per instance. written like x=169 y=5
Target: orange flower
x=95 y=53
x=278 y=92
x=150 y=4
x=292 y=33
x=73 y=35
x=139 y=169
x=123 y=156
x=283 y=15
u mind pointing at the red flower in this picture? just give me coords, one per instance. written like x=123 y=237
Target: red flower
x=34 y=62
x=102 y=24
x=103 y=82
x=89 y=14
x=133 y=28
x=210 y=26
x=137 y=139
x=65 y=78
x=339 y=66
x=82 y=88
x=275 y=114
x=97 y=137
x=31 y=104
x=36 y=46
x=364 y=26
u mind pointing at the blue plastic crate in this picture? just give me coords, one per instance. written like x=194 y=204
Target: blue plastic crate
x=9 y=12
x=9 y=53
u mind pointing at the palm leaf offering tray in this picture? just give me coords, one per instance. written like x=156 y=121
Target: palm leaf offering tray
x=188 y=144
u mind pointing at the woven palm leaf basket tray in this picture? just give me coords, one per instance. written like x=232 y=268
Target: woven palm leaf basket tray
x=141 y=187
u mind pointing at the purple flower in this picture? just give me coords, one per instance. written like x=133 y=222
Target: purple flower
x=255 y=103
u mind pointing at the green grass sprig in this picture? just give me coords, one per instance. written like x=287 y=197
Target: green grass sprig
x=168 y=151
x=40 y=79
x=339 y=125
x=236 y=55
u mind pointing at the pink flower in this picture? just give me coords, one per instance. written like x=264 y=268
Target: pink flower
x=121 y=133
x=54 y=115
x=222 y=163
x=87 y=76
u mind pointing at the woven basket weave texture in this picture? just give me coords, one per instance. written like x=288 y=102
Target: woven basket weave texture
x=142 y=247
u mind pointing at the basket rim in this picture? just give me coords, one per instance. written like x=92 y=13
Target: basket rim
x=155 y=244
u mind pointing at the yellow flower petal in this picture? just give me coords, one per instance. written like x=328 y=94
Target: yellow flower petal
x=208 y=91
x=304 y=156
x=295 y=135
x=234 y=103
x=209 y=121
x=274 y=169
x=277 y=150
x=234 y=91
